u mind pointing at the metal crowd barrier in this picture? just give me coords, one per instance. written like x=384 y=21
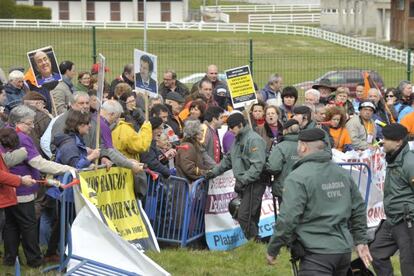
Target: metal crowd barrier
x=357 y=171
x=84 y=266
x=175 y=209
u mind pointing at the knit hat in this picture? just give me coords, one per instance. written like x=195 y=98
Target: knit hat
x=235 y=120
x=290 y=123
x=394 y=132
x=33 y=96
x=310 y=135
x=175 y=96
x=155 y=122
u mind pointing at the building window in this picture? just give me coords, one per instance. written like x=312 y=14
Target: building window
x=115 y=11
x=165 y=11
x=38 y=3
x=401 y=5
x=141 y=11
x=90 y=11
x=64 y=10
x=411 y=14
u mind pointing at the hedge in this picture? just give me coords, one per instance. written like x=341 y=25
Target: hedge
x=12 y=11
x=32 y=12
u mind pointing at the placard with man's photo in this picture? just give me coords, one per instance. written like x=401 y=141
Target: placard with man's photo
x=44 y=64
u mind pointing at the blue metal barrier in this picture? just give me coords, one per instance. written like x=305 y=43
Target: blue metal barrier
x=176 y=213
x=357 y=170
x=17 y=267
x=85 y=266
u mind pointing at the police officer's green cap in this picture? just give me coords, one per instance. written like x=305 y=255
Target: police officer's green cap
x=290 y=123
x=394 y=132
x=235 y=120
x=310 y=135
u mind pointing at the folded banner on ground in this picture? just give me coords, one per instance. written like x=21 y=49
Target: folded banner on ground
x=113 y=195
x=93 y=239
x=222 y=231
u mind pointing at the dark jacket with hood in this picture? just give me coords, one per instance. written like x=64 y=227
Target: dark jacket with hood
x=14 y=96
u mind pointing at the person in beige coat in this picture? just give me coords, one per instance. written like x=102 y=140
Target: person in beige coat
x=63 y=92
x=361 y=127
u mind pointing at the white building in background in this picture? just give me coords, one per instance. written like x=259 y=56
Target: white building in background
x=281 y=2
x=357 y=16
x=121 y=10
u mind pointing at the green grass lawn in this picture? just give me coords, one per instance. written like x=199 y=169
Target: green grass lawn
x=246 y=260
x=297 y=58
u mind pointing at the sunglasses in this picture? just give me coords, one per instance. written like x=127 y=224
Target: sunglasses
x=389 y=96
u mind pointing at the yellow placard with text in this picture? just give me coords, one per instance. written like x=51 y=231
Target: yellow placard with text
x=241 y=86
x=113 y=194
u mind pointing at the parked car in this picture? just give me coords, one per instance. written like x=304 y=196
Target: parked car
x=193 y=78
x=345 y=78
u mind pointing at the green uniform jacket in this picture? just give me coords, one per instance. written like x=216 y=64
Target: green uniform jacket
x=281 y=160
x=247 y=157
x=319 y=201
x=398 y=186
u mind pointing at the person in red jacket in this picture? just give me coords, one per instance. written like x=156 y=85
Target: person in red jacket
x=8 y=183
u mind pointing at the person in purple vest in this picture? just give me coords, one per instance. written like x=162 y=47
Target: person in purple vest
x=21 y=223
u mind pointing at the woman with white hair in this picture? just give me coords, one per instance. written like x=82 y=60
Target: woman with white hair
x=194 y=161
x=21 y=223
x=14 y=89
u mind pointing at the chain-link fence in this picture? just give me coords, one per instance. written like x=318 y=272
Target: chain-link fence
x=190 y=56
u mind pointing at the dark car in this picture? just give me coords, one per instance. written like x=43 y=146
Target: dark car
x=345 y=78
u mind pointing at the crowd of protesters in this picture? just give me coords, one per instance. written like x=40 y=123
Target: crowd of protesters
x=52 y=129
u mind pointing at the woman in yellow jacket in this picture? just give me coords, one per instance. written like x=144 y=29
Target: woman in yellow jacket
x=124 y=137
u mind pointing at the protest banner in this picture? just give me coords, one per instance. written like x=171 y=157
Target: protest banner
x=222 y=231
x=376 y=162
x=113 y=195
x=44 y=65
x=241 y=86
x=93 y=239
x=145 y=68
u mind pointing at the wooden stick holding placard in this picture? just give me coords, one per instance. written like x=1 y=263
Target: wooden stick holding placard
x=101 y=75
x=146 y=107
x=247 y=109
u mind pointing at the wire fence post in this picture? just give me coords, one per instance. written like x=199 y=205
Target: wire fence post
x=251 y=55
x=409 y=64
x=94 y=44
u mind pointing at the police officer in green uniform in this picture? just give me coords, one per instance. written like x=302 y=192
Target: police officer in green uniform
x=397 y=231
x=247 y=159
x=283 y=156
x=322 y=211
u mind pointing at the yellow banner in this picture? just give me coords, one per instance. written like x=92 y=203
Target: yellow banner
x=113 y=194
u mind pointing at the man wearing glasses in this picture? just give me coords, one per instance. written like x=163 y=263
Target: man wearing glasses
x=171 y=84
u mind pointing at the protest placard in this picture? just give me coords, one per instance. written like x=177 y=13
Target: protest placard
x=145 y=68
x=113 y=195
x=222 y=231
x=241 y=86
x=44 y=65
x=92 y=239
